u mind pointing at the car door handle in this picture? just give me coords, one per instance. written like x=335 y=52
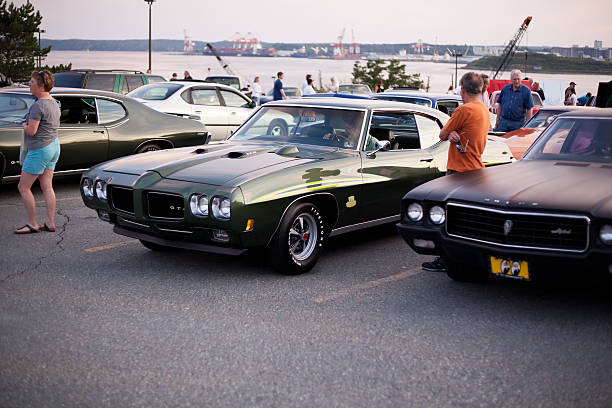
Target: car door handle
x=197 y=111
x=98 y=131
x=427 y=160
x=233 y=112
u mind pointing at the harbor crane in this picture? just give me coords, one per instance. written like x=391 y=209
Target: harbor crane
x=511 y=47
x=225 y=66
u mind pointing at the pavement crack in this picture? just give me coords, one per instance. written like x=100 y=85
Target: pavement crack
x=58 y=245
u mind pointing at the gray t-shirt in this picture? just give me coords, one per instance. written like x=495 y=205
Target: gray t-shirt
x=47 y=111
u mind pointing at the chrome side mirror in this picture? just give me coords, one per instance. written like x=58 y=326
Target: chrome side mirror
x=383 y=145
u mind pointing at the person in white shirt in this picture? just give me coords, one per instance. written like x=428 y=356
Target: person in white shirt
x=256 y=91
x=309 y=90
x=305 y=84
x=333 y=87
x=484 y=96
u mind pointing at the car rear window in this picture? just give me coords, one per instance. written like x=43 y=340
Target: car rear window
x=229 y=81
x=68 y=80
x=156 y=92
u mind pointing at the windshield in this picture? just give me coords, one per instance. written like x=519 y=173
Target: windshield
x=539 y=119
x=229 y=81
x=156 y=92
x=575 y=139
x=405 y=99
x=354 y=89
x=14 y=107
x=304 y=125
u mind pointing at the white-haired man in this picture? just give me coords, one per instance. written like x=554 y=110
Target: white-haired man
x=515 y=104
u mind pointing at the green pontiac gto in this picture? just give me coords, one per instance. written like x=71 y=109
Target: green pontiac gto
x=295 y=173
x=95 y=126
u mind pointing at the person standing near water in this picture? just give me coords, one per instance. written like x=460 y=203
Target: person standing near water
x=43 y=149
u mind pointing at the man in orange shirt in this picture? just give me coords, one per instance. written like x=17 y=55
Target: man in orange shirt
x=467 y=132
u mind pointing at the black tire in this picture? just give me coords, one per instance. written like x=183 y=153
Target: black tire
x=278 y=127
x=298 y=243
x=148 y=147
x=465 y=273
x=154 y=247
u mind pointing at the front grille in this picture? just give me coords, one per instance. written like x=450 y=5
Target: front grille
x=122 y=199
x=167 y=206
x=522 y=229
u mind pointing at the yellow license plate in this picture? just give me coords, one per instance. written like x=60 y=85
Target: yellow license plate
x=510 y=268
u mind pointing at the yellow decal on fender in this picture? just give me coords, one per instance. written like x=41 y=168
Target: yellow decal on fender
x=351 y=202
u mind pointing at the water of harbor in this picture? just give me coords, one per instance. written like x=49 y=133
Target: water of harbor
x=439 y=75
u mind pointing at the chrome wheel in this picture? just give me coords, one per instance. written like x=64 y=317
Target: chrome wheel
x=277 y=131
x=303 y=236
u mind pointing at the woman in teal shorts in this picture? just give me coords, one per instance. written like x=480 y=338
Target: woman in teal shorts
x=43 y=147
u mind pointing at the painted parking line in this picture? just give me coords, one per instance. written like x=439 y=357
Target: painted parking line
x=367 y=285
x=111 y=246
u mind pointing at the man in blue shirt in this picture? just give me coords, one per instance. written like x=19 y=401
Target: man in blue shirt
x=515 y=104
x=278 y=92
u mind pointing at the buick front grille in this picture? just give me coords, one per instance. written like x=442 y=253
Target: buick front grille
x=166 y=206
x=518 y=229
x=122 y=199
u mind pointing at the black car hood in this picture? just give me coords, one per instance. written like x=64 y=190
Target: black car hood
x=534 y=184
x=217 y=164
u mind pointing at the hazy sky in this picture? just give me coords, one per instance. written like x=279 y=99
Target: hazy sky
x=555 y=22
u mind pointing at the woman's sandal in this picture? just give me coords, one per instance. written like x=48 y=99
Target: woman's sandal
x=30 y=230
x=46 y=228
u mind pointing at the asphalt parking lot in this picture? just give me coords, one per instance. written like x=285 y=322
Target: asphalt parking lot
x=90 y=318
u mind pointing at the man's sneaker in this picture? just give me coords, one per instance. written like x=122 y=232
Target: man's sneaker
x=437 y=265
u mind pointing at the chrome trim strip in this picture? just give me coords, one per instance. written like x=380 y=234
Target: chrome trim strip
x=514 y=212
x=173 y=230
x=366 y=224
x=133 y=222
x=55 y=173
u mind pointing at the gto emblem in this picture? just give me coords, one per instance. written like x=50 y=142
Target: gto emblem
x=508 y=227
x=176 y=208
x=560 y=231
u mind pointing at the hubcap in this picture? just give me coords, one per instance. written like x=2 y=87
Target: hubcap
x=277 y=131
x=303 y=236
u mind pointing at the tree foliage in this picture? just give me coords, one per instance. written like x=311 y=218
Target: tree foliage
x=18 y=40
x=392 y=73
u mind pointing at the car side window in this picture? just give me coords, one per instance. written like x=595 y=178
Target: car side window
x=77 y=111
x=429 y=131
x=400 y=129
x=448 y=107
x=110 y=111
x=206 y=97
x=133 y=81
x=124 y=87
x=103 y=82
x=234 y=100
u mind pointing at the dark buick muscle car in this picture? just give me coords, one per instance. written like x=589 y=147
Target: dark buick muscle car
x=293 y=174
x=549 y=212
x=95 y=126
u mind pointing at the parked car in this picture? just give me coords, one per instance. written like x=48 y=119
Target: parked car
x=115 y=80
x=95 y=126
x=295 y=173
x=355 y=89
x=519 y=140
x=446 y=103
x=220 y=107
x=550 y=211
x=537 y=101
x=291 y=92
x=235 y=81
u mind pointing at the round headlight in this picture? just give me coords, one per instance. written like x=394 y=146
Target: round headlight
x=101 y=190
x=198 y=204
x=437 y=215
x=225 y=208
x=88 y=188
x=605 y=234
x=221 y=208
x=415 y=212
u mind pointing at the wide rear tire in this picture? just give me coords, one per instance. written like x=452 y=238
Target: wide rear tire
x=149 y=147
x=297 y=245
